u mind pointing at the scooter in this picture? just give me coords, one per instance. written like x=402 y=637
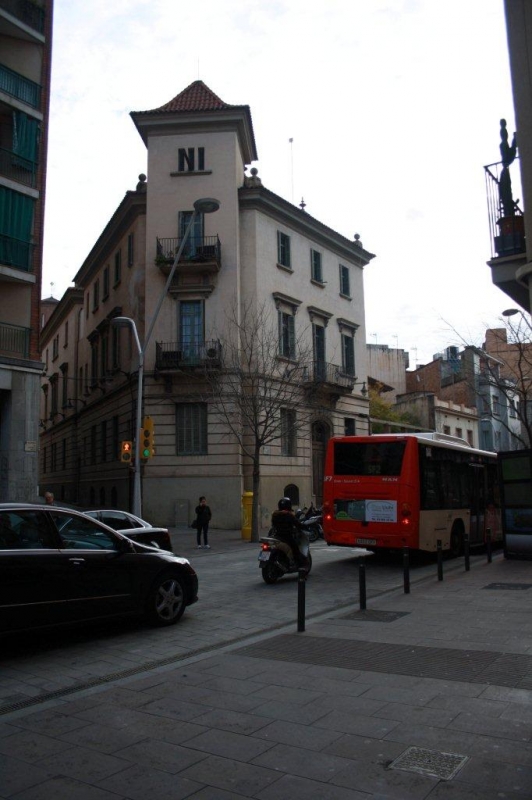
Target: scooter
x=312 y=518
x=276 y=558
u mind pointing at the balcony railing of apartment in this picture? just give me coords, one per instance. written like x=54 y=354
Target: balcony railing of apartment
x=180 y=355
x=17 y=168
x=15 y=253
x=14 y=341
x=507 y=231
x=197 y=250
x=27 y=12
x=22 y=88
x=320 y=372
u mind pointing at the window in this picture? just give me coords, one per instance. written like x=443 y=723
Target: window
x=288 y=432
x=105 y=292
x=54 y=393
x=55 y=347
x=447 y=430
x=191 y=330
x=87 y=305
x=459 y=433
x=115 y=344
x=96 y=294
x=470 y=437
x=65 y=344
x=348 y=353
x=316 y=272
x=512 y=408
x=496 y=406
x=93 y=445
x=345 y=289
x=64 y=387
x=130 y=249
x=104 y=353
x=191 y=429
x=94 y=363
x=53 y=457
x=318 y=346
x=103 y=436
x=287 y=334
x=349 y=426
x=64 y=460
x=118 y=267
x=195 y=239
x=283 y=250
x=115 y=444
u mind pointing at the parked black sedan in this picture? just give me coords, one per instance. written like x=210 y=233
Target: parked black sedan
x=59 y=566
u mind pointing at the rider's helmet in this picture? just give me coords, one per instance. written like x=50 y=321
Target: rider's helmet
x=284 y=504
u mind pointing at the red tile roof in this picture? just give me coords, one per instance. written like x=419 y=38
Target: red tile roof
x=196 y=97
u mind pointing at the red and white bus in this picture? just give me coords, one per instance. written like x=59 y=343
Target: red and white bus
x=389 y=491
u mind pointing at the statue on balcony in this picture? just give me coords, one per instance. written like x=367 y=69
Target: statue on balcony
x=508 y=153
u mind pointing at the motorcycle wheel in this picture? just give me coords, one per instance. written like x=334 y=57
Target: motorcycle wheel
x=271 y=572
x=313 y=533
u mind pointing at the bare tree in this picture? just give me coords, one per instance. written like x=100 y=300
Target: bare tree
x=257 y=393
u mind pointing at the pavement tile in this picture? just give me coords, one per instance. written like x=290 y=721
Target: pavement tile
x=434 y=717
x=82 y=763
x=172 y=707
x=63 y=788
x=306 y=715
x=229 y=745
x=30 y=746
x=306 y=736
x=232 y=721
x=17 y=775
x=289 y=695
x=380 y=751
x=141 y=782
x=490 y=726
x=230 y=700
x=297 y=788
x=361 y=704
x=50 y=722
x=356 y=723
x=103 y=738
x=305 y=763
x=455 y=790
x=483 y=773
x=475 y=705
x=231 y=776
x=161 y=755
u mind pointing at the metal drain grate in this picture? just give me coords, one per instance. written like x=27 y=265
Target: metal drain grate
x=430 y=762
x=374 y=615
x=522 y=587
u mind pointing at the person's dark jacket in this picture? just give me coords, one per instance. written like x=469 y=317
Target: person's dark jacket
x=203 y=515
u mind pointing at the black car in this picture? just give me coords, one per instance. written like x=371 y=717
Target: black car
x=59 y=566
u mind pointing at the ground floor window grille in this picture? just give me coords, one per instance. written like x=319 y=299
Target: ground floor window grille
x=191 y=429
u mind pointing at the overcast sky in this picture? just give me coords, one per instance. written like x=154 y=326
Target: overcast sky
x=393 y=107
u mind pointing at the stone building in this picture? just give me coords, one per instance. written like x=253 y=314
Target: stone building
x=258 y=252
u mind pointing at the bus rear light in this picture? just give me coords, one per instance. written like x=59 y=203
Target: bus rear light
x=406 y=511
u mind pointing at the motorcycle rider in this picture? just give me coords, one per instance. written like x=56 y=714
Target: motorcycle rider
x=286 y=527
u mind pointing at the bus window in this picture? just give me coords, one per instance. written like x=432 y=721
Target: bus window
x=375 y=458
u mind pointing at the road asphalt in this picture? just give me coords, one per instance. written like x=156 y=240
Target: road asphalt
x=422 y=695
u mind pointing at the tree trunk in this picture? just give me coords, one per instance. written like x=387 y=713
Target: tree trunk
x=255 y=518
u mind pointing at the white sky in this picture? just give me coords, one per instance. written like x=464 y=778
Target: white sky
x=393 y=107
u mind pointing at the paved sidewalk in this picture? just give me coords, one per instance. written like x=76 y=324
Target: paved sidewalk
x=445 y=670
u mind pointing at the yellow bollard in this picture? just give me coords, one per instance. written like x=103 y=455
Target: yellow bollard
x=247 y=503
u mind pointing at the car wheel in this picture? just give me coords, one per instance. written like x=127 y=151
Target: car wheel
x=166 y=600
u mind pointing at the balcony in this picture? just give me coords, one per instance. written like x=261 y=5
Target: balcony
x=200 y=256
x=19 y=87
x=319 y=375
x=506 y=224
x=16 y=168
x=14 y=341
x=29 y=13
x=16 y=253
x=171 y=356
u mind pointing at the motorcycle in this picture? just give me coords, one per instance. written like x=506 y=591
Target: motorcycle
x=276 y=558
x=312 y=518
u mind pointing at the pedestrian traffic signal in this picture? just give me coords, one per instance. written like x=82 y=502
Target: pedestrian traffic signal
x=126 y=451
x=146 y=438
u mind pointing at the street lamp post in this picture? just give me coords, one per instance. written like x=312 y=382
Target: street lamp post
x=206 y=205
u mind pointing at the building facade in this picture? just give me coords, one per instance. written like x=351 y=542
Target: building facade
x=25 y=56
x=257 y=256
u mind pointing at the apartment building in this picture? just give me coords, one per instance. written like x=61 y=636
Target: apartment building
x=25 y=56
x=257 y=254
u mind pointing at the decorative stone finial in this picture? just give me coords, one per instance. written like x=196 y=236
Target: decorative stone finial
x=302 y=204
x=141 y=185
x=357 y=240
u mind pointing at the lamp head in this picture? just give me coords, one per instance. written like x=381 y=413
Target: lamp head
x=122 y=322
x=510 y=312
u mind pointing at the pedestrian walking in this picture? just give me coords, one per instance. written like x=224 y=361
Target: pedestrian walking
x=49 y=498
x=203 y=517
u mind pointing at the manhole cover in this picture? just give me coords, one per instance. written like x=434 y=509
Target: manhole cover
x=430 y=762
x=374 y=615
x=505 y=586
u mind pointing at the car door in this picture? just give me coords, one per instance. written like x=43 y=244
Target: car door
x=101 y=575
x=33 y=576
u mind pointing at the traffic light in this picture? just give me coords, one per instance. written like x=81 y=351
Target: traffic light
x=146 y=438
x=126 y=451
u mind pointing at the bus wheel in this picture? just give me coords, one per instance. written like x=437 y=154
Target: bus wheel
x=457 y=540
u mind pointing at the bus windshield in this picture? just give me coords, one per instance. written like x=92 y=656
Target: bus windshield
x=369 y=458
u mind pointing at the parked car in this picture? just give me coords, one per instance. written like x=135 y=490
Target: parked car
x=133 y=527
x=59 y=566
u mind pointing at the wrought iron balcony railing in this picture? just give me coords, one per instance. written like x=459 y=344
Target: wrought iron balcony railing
x=29 y=13
x=15 y=253
x=14 y=341
x=16 y=168
x=321 y=372
x=180 y=355
x=507 y=231
x=197 y=250
x=22 y=88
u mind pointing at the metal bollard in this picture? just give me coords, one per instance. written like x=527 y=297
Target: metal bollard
x=362 y=583
x=488 y=544
x=301 y=581
x=466 y=553
x=440 y=559
x=406 y=570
